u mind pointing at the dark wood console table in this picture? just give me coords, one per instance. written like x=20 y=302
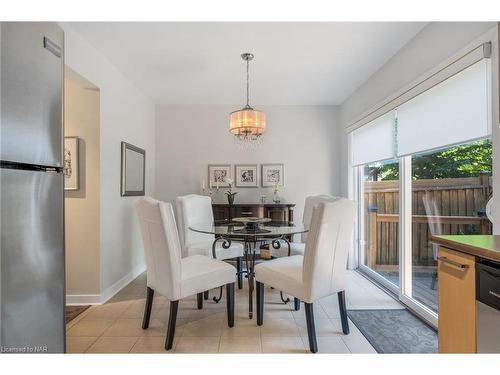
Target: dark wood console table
x=277 y=212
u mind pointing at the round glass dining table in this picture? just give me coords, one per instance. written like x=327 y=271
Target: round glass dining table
x=276 y=235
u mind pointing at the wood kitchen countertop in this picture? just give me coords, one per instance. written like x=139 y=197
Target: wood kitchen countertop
x=484 y=246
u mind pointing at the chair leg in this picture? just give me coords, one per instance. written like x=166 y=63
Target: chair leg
x=433 y=281
x=311 y=330
x=343 y=312
x=296 y=304
x=147 y=309
x=230 y=304
x=172 y=318
x=199 y=298
x=260 y=303
x=205 y=295
x=239 y=262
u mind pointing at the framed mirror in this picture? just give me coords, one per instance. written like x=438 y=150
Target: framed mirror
x=133 y=170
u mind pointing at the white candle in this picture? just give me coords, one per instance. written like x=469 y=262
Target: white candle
x=203 y=185
x=217 y=184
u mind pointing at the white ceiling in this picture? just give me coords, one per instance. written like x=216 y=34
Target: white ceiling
x=295 y=63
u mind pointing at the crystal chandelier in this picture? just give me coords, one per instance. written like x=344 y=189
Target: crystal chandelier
x=247 y=124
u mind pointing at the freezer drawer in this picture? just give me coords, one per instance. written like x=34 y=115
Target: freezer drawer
x=31 y=93
x=32 y=261
x=488 y=329
x=488 y=306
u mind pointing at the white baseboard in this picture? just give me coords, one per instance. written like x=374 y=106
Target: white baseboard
x=98 y=299
x=83 y=299
x=123 y=282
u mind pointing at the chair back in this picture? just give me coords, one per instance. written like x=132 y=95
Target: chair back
x=194 y=209
x=161 y=246
x=431 y=209
x=435 y=226
x=327 y=247
x=308 y=210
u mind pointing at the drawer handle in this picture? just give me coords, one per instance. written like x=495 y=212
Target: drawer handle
x=246 y=212
x=453 y=263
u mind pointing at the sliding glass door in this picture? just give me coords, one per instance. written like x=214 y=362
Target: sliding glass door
x=450 y=189
x=379 y=208
x=442 y=192
x=420 y=170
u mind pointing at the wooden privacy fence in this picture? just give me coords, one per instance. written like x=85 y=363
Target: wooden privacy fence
x=459 y=206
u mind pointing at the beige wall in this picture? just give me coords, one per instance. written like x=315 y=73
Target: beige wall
x=81 y=119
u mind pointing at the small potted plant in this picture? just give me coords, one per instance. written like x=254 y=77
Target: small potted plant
x=230 y=194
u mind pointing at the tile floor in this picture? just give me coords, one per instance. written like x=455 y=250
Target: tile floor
x=115 y=327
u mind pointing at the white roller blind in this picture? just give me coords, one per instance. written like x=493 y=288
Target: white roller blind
x=454 y=111
x=453 y=66
x=374 y=141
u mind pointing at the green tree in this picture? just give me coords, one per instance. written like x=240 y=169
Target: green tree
x=467 y=160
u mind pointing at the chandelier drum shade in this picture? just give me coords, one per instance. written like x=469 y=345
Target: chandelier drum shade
x=247 y=121
x=247 y=124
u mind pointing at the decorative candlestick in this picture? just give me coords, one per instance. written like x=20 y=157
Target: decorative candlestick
x=210 y=189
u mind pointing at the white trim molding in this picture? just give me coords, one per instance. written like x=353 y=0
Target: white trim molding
x=99 y=299
x=123 y=282
x=83 y=299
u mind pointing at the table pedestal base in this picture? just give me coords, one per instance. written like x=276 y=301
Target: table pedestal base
x=250 y=257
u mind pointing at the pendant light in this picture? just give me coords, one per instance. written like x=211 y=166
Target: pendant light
x=247 y=124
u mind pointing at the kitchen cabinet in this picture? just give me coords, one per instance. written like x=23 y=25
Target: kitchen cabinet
x=457 y=302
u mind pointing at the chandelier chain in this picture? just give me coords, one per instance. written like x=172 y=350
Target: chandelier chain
x=248 y=91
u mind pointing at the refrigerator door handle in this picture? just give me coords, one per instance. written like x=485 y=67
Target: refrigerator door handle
x=54 y=169
x=52 y=47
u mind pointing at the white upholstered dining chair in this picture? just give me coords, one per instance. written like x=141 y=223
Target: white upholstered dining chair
x=435 y=228
x=321 y=271
x=195 y=209
x=297 y=248
x=171 y=275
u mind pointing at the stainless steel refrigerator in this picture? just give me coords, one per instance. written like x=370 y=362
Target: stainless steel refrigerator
x=32 y=202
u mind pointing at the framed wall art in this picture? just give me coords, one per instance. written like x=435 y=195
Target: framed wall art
x=71 y=164
x=246 y=175
x=273 y=175
x=133 y=170
x=217 y=175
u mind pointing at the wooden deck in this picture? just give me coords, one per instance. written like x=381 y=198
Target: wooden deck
x=422 y=291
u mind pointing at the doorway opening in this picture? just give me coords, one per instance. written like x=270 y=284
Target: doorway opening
x=81 y=193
